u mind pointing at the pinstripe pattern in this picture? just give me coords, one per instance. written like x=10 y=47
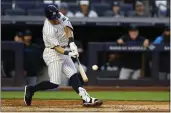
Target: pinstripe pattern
x=61 y=67
x=58 y=64
x=54 y=71
x=69 y=68
x=54 y=35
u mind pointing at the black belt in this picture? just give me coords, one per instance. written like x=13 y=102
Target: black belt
x=61 y=46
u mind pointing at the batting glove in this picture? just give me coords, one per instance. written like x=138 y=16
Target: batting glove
x=73 y=47
x=73 y=54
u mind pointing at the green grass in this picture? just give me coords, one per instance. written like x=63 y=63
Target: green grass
x=145 y=96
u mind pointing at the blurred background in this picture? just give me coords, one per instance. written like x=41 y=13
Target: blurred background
x=121 y=42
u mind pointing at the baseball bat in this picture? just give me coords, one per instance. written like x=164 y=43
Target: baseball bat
x=83 y=75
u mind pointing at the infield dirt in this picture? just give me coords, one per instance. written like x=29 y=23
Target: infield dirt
x=76 y=105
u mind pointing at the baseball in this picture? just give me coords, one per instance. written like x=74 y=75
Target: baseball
x=94 y=67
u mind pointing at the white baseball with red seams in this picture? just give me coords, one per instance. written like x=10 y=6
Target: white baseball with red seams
x=58 y=64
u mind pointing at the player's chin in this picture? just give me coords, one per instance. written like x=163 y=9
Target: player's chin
x=98 y=103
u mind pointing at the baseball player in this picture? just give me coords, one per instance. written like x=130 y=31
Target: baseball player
x=57 y=35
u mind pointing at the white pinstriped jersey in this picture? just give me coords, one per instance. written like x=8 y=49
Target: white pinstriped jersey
x=58 y=64
x=54 y=35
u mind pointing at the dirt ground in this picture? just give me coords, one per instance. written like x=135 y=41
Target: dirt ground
x=76 y=105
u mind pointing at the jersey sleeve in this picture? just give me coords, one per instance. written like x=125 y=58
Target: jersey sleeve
x=51 y=38
x=65 y=21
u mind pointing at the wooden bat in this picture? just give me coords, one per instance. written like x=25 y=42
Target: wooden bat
x=83 y=75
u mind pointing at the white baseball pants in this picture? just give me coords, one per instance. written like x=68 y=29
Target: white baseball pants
x=58 y=65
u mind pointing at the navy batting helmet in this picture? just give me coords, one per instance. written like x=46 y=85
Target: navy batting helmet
x=51 y=12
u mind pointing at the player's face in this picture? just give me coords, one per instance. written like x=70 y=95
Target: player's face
x=27 y=38
x=167 y=33
x=54 y=22
x=133 y=34
x=112 y=57
x=116 y=8
x=84 y=8
x=18 y=39
x=140 y=8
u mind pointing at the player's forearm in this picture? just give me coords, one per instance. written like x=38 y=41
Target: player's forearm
x=69 y=35
x=61 y=50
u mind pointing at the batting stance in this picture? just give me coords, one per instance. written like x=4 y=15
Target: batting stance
x=58 y=34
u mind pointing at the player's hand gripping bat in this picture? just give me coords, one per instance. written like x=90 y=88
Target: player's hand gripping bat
x=83 y=75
